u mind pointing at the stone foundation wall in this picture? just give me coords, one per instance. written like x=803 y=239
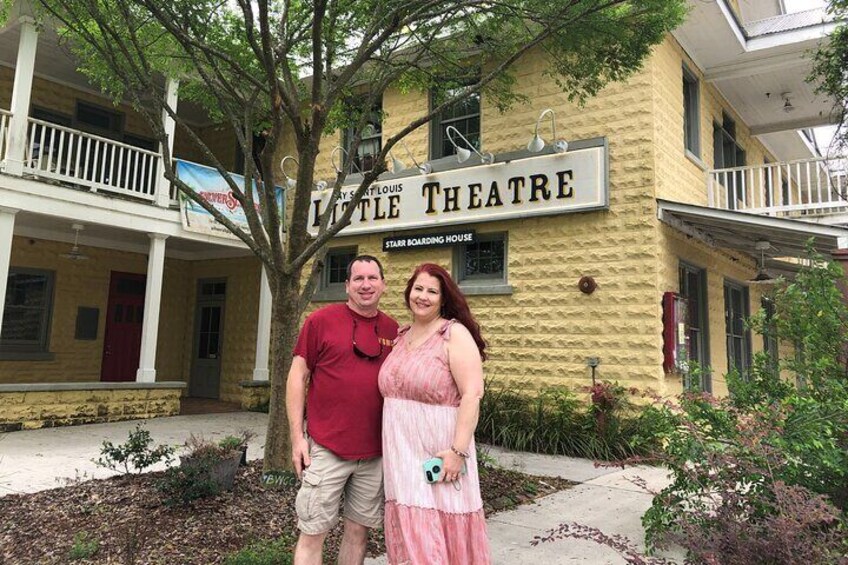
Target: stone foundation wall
x=26 y=407
x=255 y=395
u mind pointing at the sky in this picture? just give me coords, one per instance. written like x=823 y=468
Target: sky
x=801 y=5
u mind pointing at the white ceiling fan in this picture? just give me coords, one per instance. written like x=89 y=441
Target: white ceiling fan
x=75 y=254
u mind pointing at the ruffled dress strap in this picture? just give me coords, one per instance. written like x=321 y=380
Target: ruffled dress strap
x=401 y=331
x=445 y=330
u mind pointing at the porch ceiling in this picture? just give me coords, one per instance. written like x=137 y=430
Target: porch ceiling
x=37 y=226
x=740 y=231
x=753 y=71
x=54 y=62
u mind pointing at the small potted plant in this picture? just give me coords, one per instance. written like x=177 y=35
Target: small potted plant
x=218 y=463
x=239 y=443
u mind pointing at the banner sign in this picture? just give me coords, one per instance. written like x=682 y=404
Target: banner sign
x=558 y=183
x=211 y=186
x=422 y=240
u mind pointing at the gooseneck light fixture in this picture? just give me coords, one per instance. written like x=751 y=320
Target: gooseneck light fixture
x=290 y=182
x=399 y=166
x=537 y=143
x=462 y=153
x=345 y=155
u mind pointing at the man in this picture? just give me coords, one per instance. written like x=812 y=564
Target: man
x=338 y=355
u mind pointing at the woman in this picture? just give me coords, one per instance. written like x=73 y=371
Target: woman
x=432 y=382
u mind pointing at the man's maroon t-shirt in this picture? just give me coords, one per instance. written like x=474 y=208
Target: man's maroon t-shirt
x=344 y=408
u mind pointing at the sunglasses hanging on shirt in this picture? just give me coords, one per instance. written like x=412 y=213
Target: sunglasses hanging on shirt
x=365 y=350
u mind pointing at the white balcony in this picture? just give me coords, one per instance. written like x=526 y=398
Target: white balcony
x=74 y=158
x=809 y=189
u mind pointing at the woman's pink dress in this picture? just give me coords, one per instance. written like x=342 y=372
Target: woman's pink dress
x=426 y=524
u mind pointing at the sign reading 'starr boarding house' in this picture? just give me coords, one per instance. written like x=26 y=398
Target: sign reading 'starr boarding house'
x=549 y=184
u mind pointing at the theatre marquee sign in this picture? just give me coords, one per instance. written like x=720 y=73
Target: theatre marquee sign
x=550 y=184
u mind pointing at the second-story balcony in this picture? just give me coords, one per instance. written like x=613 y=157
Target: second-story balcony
x=808 y=189
x=74 y=158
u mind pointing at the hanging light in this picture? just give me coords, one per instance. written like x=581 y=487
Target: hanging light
x=462 y=153
x=75 y=254
x=762 y=276
x=537 y=143
x=290 y=182
x=399 y=166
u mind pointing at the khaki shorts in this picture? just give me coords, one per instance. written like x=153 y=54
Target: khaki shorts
x=324 y=481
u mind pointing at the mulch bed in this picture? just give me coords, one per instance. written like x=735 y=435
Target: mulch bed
x=126 y=516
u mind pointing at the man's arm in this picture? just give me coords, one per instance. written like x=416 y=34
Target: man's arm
x=295 y=404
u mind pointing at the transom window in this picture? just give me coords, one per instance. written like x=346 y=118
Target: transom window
x=26 y=312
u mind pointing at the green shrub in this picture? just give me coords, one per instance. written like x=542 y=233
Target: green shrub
x=194 y=478
x=762 y=475
x=84 y=547
x=265 y=552
x=556 y=421
x=135 y=455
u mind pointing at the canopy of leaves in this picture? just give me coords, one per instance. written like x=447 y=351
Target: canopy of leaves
x=830 y=69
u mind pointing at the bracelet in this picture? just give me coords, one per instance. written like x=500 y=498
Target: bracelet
x=462 y=454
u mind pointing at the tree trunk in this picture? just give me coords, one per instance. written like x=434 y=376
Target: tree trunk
x=285 y=322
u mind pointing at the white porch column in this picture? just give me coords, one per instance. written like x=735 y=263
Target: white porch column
x=163 y=187
x=7 y=226
x=21 y=92
x=152 y=301
x=263 y=330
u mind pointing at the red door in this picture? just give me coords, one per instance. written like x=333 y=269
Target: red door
x=122 y=339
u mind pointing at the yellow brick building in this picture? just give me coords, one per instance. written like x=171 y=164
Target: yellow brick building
x=694 y=171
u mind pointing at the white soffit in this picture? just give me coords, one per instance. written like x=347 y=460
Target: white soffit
x=740 y=231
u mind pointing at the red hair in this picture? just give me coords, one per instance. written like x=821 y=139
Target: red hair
x=454 y=305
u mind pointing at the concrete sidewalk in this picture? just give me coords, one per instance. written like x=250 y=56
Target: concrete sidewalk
x=606 y=498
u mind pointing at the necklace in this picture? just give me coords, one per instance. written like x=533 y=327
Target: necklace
x=417 y=336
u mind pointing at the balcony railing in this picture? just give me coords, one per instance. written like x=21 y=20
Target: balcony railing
x=83 y=159
x=808 y=187
x=5 y=117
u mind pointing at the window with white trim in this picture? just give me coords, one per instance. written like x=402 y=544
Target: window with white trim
x=464 y=115
x=371 y=140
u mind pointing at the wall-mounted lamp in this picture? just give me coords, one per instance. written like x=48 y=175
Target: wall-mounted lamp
x=537 y=143
x=463 y=154
x=399 y=166
x=343 y=151
x=290 y=182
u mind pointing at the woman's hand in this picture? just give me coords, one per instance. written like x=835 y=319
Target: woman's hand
x=452 y=466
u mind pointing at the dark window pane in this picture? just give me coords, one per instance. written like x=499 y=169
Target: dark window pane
x=337 y=262
x=119 y=313
x=484 y=259
x=27 y=310
x=203 y=353
x=133 y=287
x=204 y=319
x=139 y=314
